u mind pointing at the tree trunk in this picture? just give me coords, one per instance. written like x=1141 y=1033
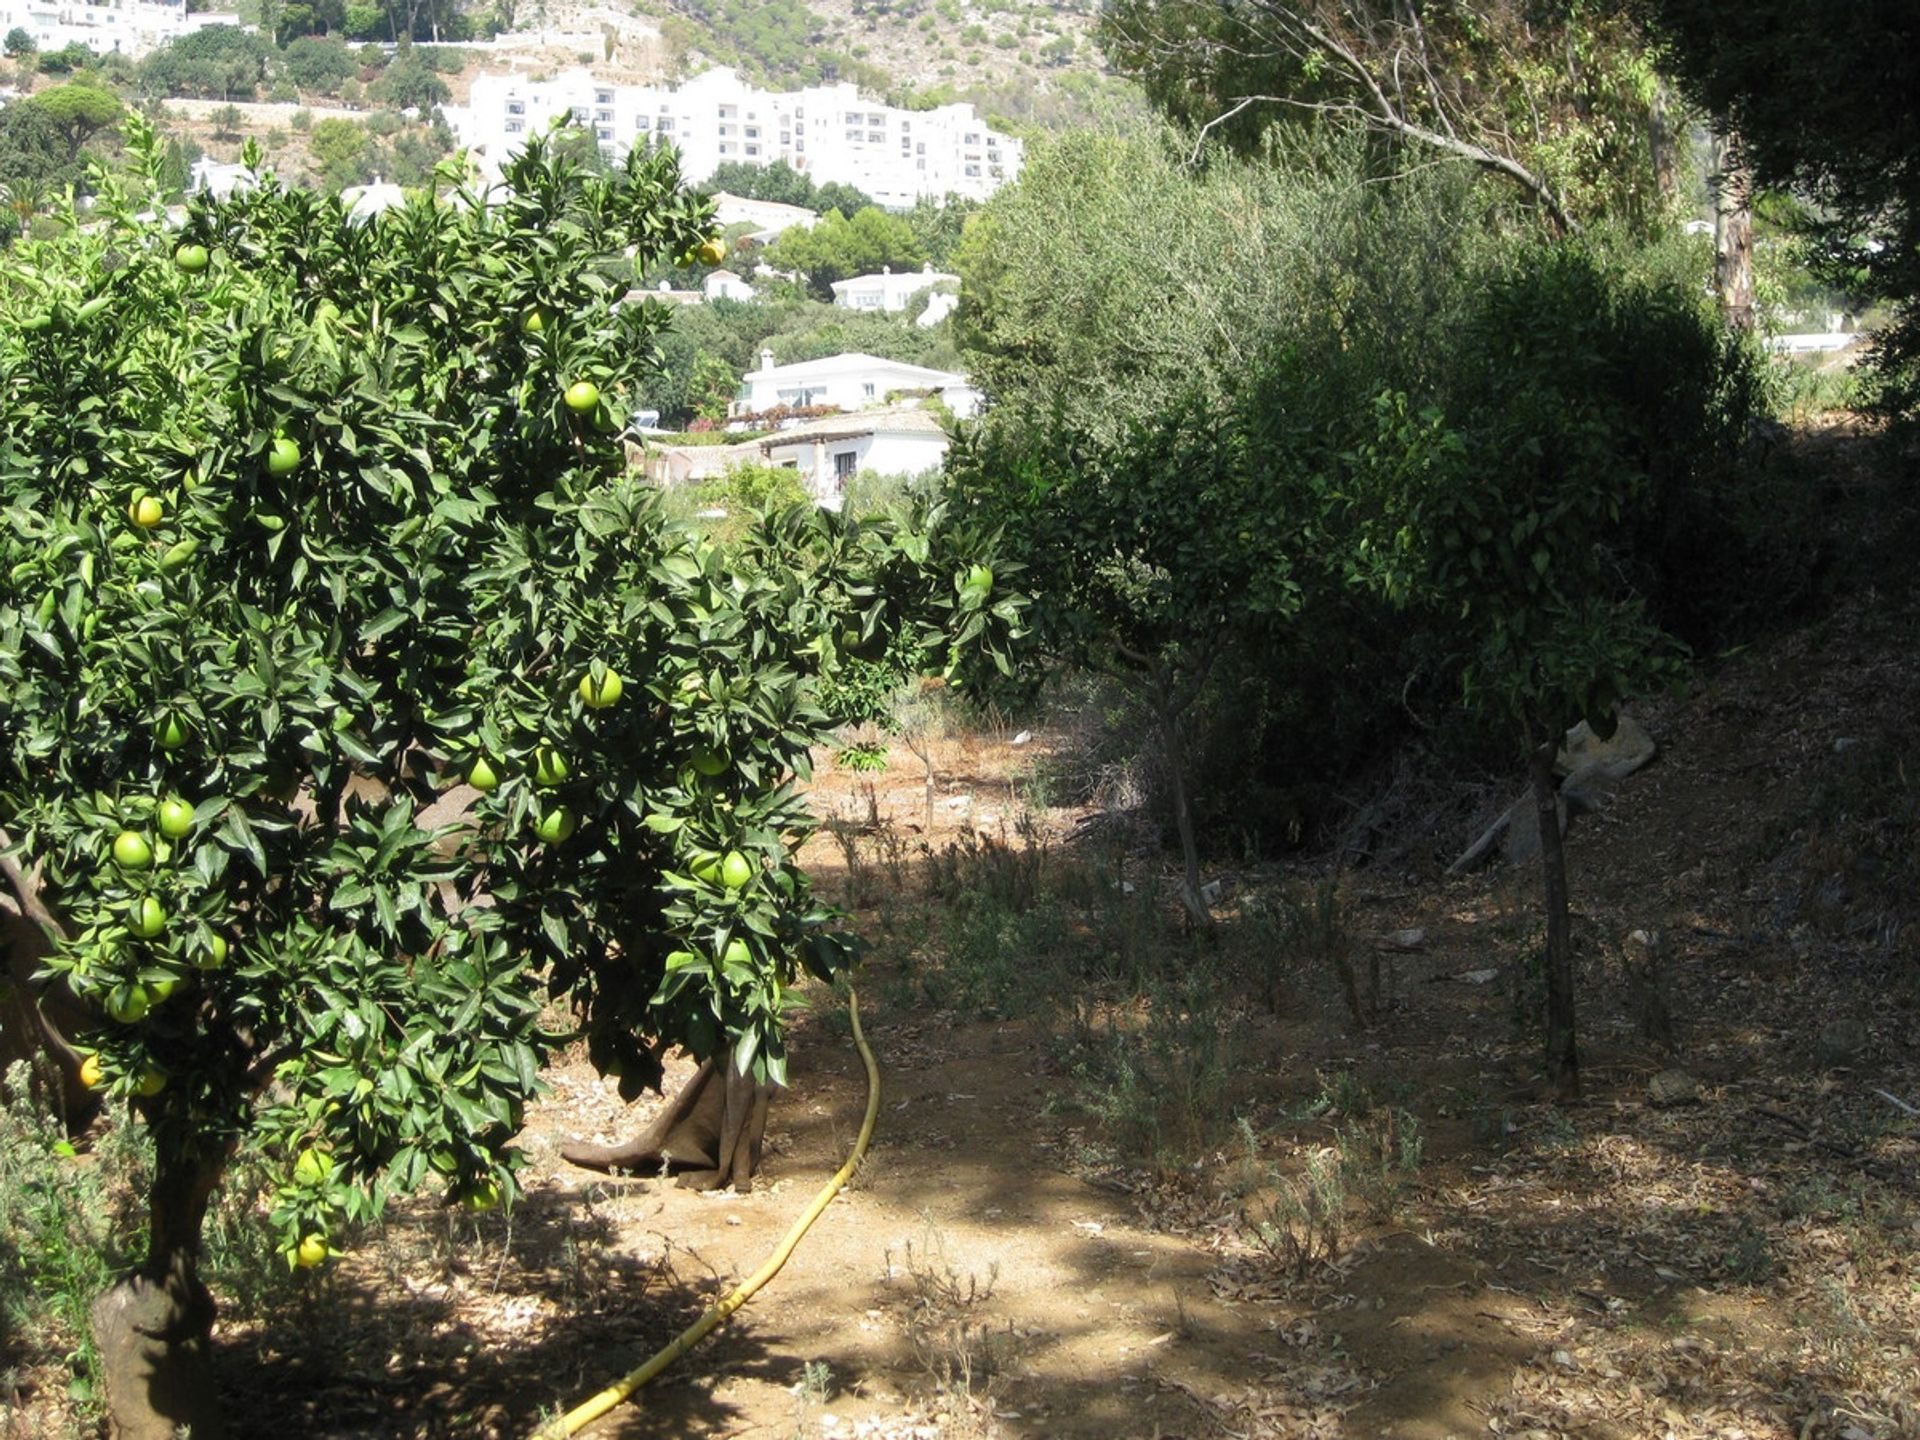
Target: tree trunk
x=154 y=1329
x=1663 y=152
x=709 y=1134
x=1563 y=1061
x=1732 y=185
x=1174 y=752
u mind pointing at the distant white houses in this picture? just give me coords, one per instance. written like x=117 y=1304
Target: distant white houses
x=830 y=133
x=127 y=27
x=363 y=202
x=725 y=285
x=887 y=291
x=850 y=382
x=218 y=179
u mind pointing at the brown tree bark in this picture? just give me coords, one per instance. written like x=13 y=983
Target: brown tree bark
x=1732 y=185
x=154 y=1328
x=1563 y=1059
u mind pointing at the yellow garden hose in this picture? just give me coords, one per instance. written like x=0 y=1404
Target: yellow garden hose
x=585 y=1414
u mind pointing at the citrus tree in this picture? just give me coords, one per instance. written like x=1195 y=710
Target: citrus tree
x=355 y=703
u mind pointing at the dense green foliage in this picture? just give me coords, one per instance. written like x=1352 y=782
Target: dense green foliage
x=840 y=247
x=1823 y=101
x=780 y=182
x=1559 y=99
x=300 y=531
x=1335 y=345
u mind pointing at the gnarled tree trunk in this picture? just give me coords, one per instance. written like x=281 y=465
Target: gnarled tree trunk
x=154 y=1328
x=709 y=1135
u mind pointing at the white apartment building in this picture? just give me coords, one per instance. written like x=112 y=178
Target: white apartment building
x=131 y=27
x=827 y=132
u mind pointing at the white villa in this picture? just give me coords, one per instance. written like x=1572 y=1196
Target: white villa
x=887 y=291
x=726 y=285
x=852 y=382
x=828 y=452
x=131 y=27
x=828 y=132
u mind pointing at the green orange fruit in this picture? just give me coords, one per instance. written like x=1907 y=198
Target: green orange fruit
x=131 y=850
x=607 y=692
x=175 y=819
x=735 y=871
x=583 y=397
x=557 y=824
x=145 y=511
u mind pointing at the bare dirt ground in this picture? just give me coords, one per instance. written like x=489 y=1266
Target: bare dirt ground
x=1742 y=1260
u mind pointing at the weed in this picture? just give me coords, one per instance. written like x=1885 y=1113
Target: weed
x=1377 y=1157
x=1307 y=931
x=1748 y=1259
x=66 y=1224
x=1159 y=1074
x=863 y=759
x=960 y=1350
x=1301 y=1226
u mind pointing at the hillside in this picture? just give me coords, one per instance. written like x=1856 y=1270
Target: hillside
x=1028 y=62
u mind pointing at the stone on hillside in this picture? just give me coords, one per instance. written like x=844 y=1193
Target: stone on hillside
x=1618 y=756
x=1522 y=843
x=1842 y=1041
x=1673 y=1087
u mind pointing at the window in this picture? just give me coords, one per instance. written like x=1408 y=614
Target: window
x=799 y=112
x=800 y=142
x=971 y=140
x=753 y=149
x=854 y=136
x=993 y=155
x=877 y=137
x=921 y=148
x=876 y=119
x=753 y=132
x=604 y=132
x=725 y=148
x=786 y=137
x=516 y=107
x=640 y=122
x=726 y=129
x=603 y=97
x=866 y=390
x=603 y=116
x=844 y=463
x=514 y=127
x=970 y=170
x=666 y=123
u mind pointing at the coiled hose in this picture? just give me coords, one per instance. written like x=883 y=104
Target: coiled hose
x=583 y=1415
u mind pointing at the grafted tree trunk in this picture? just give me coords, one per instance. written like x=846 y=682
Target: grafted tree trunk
x=709 y=1135
x=154 y=1329
x=1563 y=1060
x=1732 y=185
